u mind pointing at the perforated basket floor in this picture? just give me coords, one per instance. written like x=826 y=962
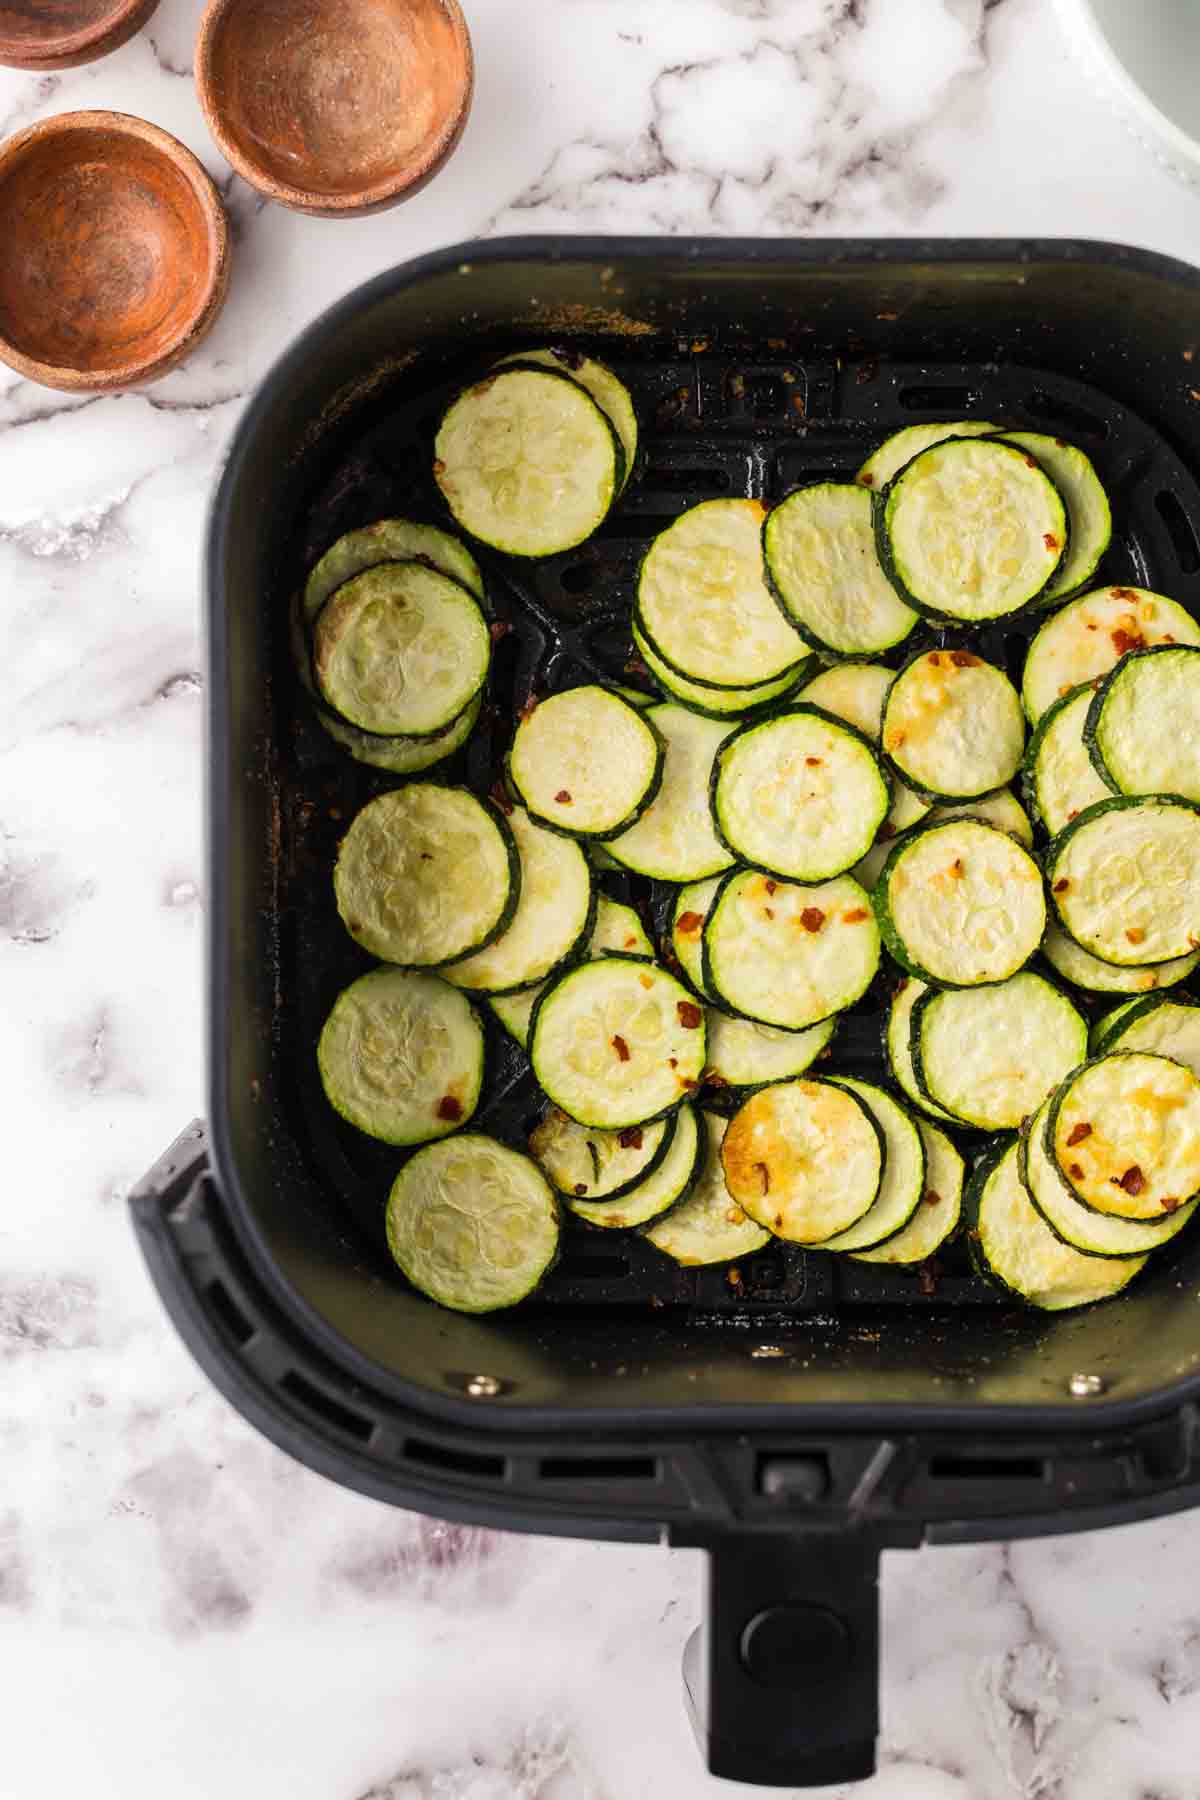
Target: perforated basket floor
x=711 y=426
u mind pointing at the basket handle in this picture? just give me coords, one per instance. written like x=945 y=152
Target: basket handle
x=782 y=1677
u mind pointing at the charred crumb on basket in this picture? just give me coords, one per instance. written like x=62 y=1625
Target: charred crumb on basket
x=499 y=628
x=527 y=708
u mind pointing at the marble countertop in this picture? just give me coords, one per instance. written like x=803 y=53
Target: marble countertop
x=184 y=1613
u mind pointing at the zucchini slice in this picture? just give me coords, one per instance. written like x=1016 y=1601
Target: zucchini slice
x=805 y=1159
x=907 y=809
x=617 y=1042
x=597 y=1165
x=1059 y=777
x=401 y=650
x=688 y=915
x=896 y=451
x=607 y=390
x=402 y=755
x=1124 y=1133
x=990 y=1055
x=1020 y=1252
x=553 y=914
x=401 y=1056
x=1161 y=1026
x=960 y=903
x=658 y=1191
x=971 y=529
x=742 y=1054
x=674 y=839
x=514 y=1011
x=703 y=605
x=1083 y=970
x=902 y=1183
x=1002 y=809
x=938 y=1214
x=1087 y=510
x=897 y=1042
x=1125 y=878
x=527 y=462
x=389 y=540
x=819 y=550
x=786 y=955
x=717 y=703
x=616 y=928
x=472 y=1223
x=1143 y=725
x=708 y=1226
x=1091 y=634
x=800 y=795
x=426 y=874
x=1096 y=1234
x=953 y=726
x=586 y=762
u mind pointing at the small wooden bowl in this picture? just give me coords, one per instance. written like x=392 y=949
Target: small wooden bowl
x=61 y=34
x=335 y=107
x=115 y=252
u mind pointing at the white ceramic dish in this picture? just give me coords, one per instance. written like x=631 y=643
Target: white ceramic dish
x=1143 y=56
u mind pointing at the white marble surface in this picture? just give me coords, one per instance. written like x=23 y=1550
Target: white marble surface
x=184 y=1613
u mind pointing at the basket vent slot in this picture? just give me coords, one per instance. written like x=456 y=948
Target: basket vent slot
x=1179 y=530
x=229 y=1313
x=579 y=578
x=935 y=399
x=1077 y=421
x=326 y=1407
x=594 y=1267
x=455 y=1462
x=599 y=1468
x=988 y=1468
x=686 y=481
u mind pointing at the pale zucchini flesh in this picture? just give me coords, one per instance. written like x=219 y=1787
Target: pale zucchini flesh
x=1124 y=1133
x=426 y=874
x=617 y=1042
x=786 y=955
x=596 y=378
x=1143 y=726
x=1080 y=1226
x=800 y=795
x=742 y=1054
x=990 y=1055
x=703 y=605
x=472 y=1223
x=1087 y=505
x=819 y=548
x=1088 y=636
x=1083 y=970
x=1125 y=879
x=402 y=755
x=586 y=1164
x=616 y=927
x=937 y=1217
x=1002 y=809
x=553 y=914
x=971 y=529
x=805 y=1159
x=657 y=1192
x=708 y=1226
x=1060 y=777
x=1021 y=1252
x=897 y=1041
x=712 y=702
x=586 y=762
x=908 y=808
x=401 y=1056
x=527 y=462
x=674 y=839
x=896 y=451
x=953 y=726
x=688 y=917
x=960 y=903
x=389 y=540
x=902 y=1182
x=1161 y=1026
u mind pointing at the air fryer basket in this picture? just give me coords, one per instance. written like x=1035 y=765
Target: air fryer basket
x=799 y=1414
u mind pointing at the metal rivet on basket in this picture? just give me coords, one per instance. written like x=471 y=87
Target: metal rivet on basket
x=761 y=1350
x=483 y=1387
x=1084 y=1385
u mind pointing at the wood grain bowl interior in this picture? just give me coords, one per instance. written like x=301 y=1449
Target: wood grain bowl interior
x=335 y=106
x=61 y=34
x=115 y=254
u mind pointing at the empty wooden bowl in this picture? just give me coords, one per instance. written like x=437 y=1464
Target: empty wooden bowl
x=115 y=252
x=335 y=107
x=61 y=34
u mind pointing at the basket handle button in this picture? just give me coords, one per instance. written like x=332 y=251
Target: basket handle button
x=795 y=1646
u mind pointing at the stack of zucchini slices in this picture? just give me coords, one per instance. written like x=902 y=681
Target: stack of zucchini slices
x=808 y=793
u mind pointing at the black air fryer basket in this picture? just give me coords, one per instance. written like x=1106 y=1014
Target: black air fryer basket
x=799 y=1416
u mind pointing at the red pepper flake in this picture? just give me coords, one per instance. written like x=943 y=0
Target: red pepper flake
x=426 y=856
x=770 y=886
x=1171 y=1203
x=580 y=1187
x=779 y=1221
x=562 y=798
x=529 y=708
x=1073 y=814
x=733 y=1276
x=813 y=762
x=927 y=1279
x=714 y=1081
x=689 y=923
x=1050 y=541
x=439 y=467
x=887 y=315
x=868 y=480
x=855 y=916
x=932 y=1197
x=1092 y=626
x=1124 y=641
x=499 y=628
x=500 y=796
x=963 y=659
x=934 y=659
x=673 y=1062
x=621 y=1048
x=690 y=1014
x=1031 y=461
x=769 y=911
x=635 y=666
x=764 y=1176
x=688 y=1082
x=449 y=1108
x=812 y=918
x=1079 y=1133
x=631 y=1138
x=1061 y=885
x=1135 y=934
x=1133 y=1181
x=1123 y=593
x=1075 y=1171
x=956 y=868
x=1167 y=638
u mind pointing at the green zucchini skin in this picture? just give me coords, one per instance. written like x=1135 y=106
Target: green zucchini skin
x=1081 y=558
x=986 y=1163
x=646 y=1169
x=727 y=704
x=1033 y=749
x=1054 y=851
x=1123 y=671
x=597 y=1215
x=1116 y=1025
